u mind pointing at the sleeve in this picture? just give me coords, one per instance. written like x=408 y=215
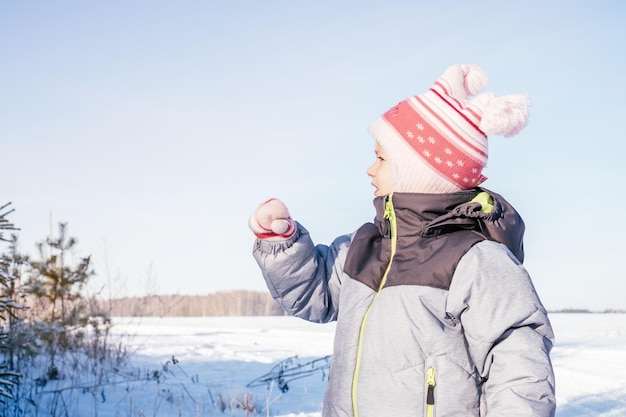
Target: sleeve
x=304 y=278
x=508 y=332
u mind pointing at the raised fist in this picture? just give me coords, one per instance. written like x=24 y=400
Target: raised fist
x=271 y=221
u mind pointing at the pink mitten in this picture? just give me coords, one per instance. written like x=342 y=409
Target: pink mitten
x=271 y=221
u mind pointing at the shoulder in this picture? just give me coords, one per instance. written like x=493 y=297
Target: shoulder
x=491 y=264
x=491 y=278
x=489 y=253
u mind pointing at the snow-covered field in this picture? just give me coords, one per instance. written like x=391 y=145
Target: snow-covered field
x=191 y=366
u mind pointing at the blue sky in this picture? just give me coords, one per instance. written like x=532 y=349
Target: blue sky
x=154 y=128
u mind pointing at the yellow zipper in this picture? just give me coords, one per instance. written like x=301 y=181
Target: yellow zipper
x=390 y=215
x=430 y=391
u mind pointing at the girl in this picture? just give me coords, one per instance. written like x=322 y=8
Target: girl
x=436 y=316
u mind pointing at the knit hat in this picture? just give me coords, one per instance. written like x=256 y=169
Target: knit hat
x=437 y=141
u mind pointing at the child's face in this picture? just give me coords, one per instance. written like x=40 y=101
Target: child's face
x=380 y=173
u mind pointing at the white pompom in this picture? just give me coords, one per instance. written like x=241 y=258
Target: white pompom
x=463 y=80
x=475 y=79
x=506 y=115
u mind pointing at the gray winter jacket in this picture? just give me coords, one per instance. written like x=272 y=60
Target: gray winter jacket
x=435 y=314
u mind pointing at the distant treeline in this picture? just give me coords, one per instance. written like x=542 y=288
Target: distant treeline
x=231 y=303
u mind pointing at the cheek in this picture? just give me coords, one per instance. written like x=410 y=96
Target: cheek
x=388 y=178
x=387 y=172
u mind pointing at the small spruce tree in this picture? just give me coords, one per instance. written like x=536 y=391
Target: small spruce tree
x=61 y=310
x=9 y=279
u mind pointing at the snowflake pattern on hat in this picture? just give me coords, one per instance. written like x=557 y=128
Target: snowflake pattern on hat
x=435 y=149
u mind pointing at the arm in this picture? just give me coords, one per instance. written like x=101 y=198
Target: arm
x=507 y=331
x=304 y=278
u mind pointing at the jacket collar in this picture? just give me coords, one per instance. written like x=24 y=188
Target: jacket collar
x=429 y=215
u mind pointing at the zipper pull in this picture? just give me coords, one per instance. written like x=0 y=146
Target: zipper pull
x=430 y=382
x=390 y=215
x=388 y=208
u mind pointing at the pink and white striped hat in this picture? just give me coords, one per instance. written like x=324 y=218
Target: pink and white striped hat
x=437 y=141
